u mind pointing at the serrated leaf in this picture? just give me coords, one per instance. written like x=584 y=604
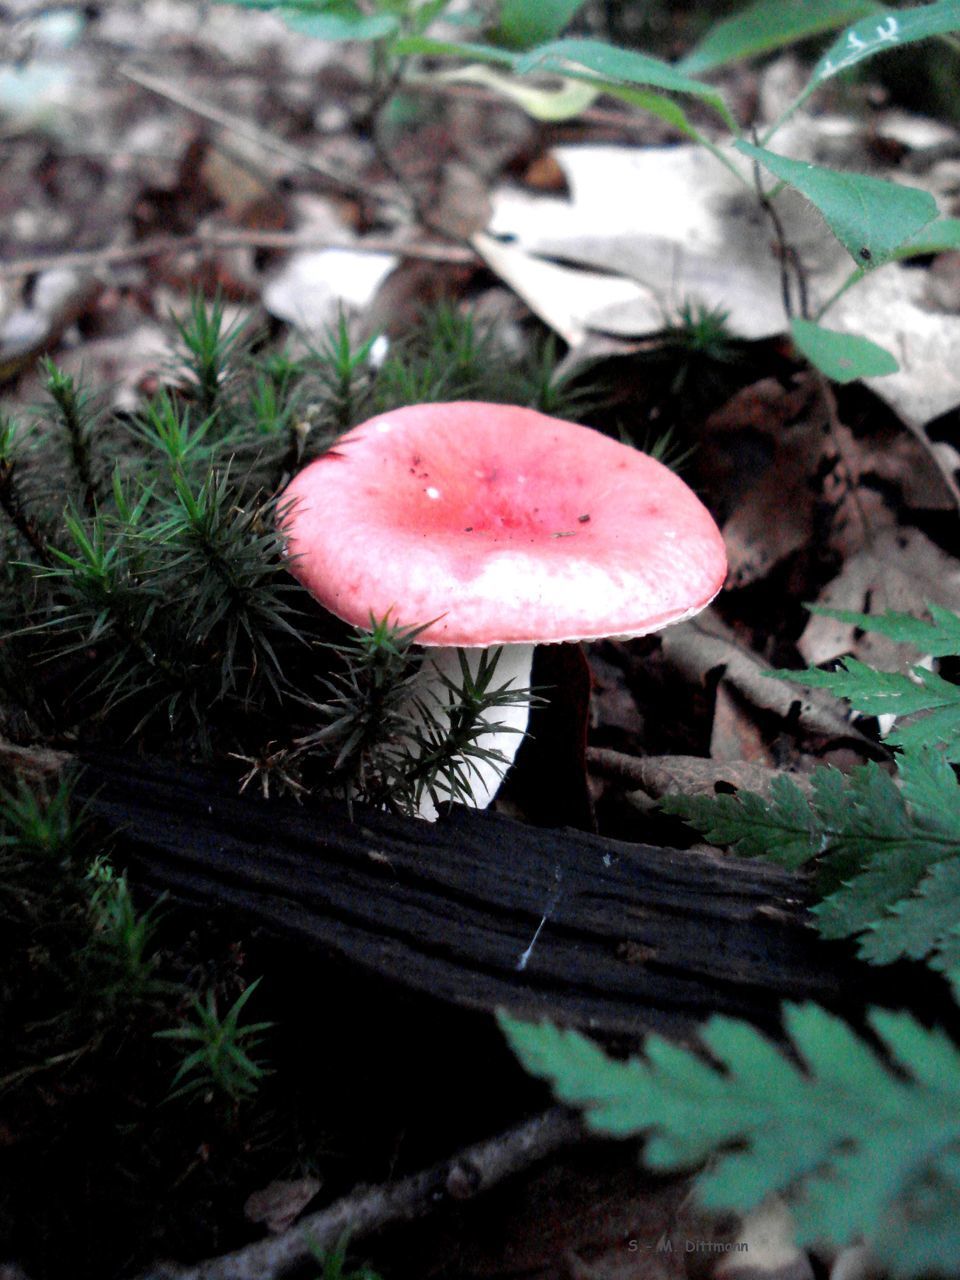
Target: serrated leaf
x=925 y=926
x=610 y=64
x=870 y=217
x=843 y=357
x=587 y=1077
x=940 y=637
x=522 y=24
x=857 y=1145
x=930 y=787
x=887 y=30
x=783 y=828
x=878 y=693
x=926 y=1053
x=874 y=841
x=768 y=25
x=890 y=877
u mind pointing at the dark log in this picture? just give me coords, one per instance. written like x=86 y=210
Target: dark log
x=487 y=912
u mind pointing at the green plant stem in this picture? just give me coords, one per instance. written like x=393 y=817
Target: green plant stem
x=69 y=402
x=12 y=505
x=789 y=111
x=854 y=278
x=787 y=254
x=719 y=154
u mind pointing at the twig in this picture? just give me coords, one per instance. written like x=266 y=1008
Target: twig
x=111 y=254
x=12 y=507
x=35 y=762
x=368 y=1209
x=246 y=128
x=787 y=255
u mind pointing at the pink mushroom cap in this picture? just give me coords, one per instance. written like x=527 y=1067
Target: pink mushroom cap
x=499 y=525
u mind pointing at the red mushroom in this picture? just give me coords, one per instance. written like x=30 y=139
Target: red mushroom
x=499 y=526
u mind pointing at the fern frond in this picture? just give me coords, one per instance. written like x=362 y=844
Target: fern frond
x=874 y=846
x=923 y=694
x=885 y=849
x=931 y=703
x=940 y=637
x=860 y=1148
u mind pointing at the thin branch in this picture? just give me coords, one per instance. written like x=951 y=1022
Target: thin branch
x=12 y=506
x=787 y=255
x=291 y=241
x=246 y=128
x=368 y=1209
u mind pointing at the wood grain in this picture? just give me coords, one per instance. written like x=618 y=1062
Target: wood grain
x=635 y=937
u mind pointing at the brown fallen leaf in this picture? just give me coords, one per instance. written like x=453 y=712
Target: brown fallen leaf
x=735 y=734
x=899 y=569
x=705 y=643
x=279 y=1204
x=820 y=480
x=776 y=516
x=687 y=775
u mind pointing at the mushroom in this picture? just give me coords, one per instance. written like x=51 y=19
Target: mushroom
x=498 y=526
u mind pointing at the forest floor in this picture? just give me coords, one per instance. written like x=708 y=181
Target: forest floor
x=153 y=150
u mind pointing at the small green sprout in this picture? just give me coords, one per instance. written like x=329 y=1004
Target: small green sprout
x=224 y=1060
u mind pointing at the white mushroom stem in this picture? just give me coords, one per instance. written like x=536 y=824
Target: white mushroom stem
x=507 y=723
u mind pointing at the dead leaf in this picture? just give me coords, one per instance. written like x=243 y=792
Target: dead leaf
x=562 y=297
x=460 y=205
x=309 y=288
x=683 y=226
x=775 y=517
x=804 y=472
x=899 y=569
x=705 y=644
x=243 y=190
x=279 y=1204
x=59 y=297
x=890 y=307
x=735 y=735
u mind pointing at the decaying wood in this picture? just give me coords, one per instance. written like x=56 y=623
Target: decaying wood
x=487 y=912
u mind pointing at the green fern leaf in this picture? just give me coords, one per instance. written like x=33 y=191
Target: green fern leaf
x=930 y=787
x=940 y=637
x=875 y=846
x=857 y=1146
x=754 y=826
x=927 y=924
x=878 y=693
x=930 y=703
